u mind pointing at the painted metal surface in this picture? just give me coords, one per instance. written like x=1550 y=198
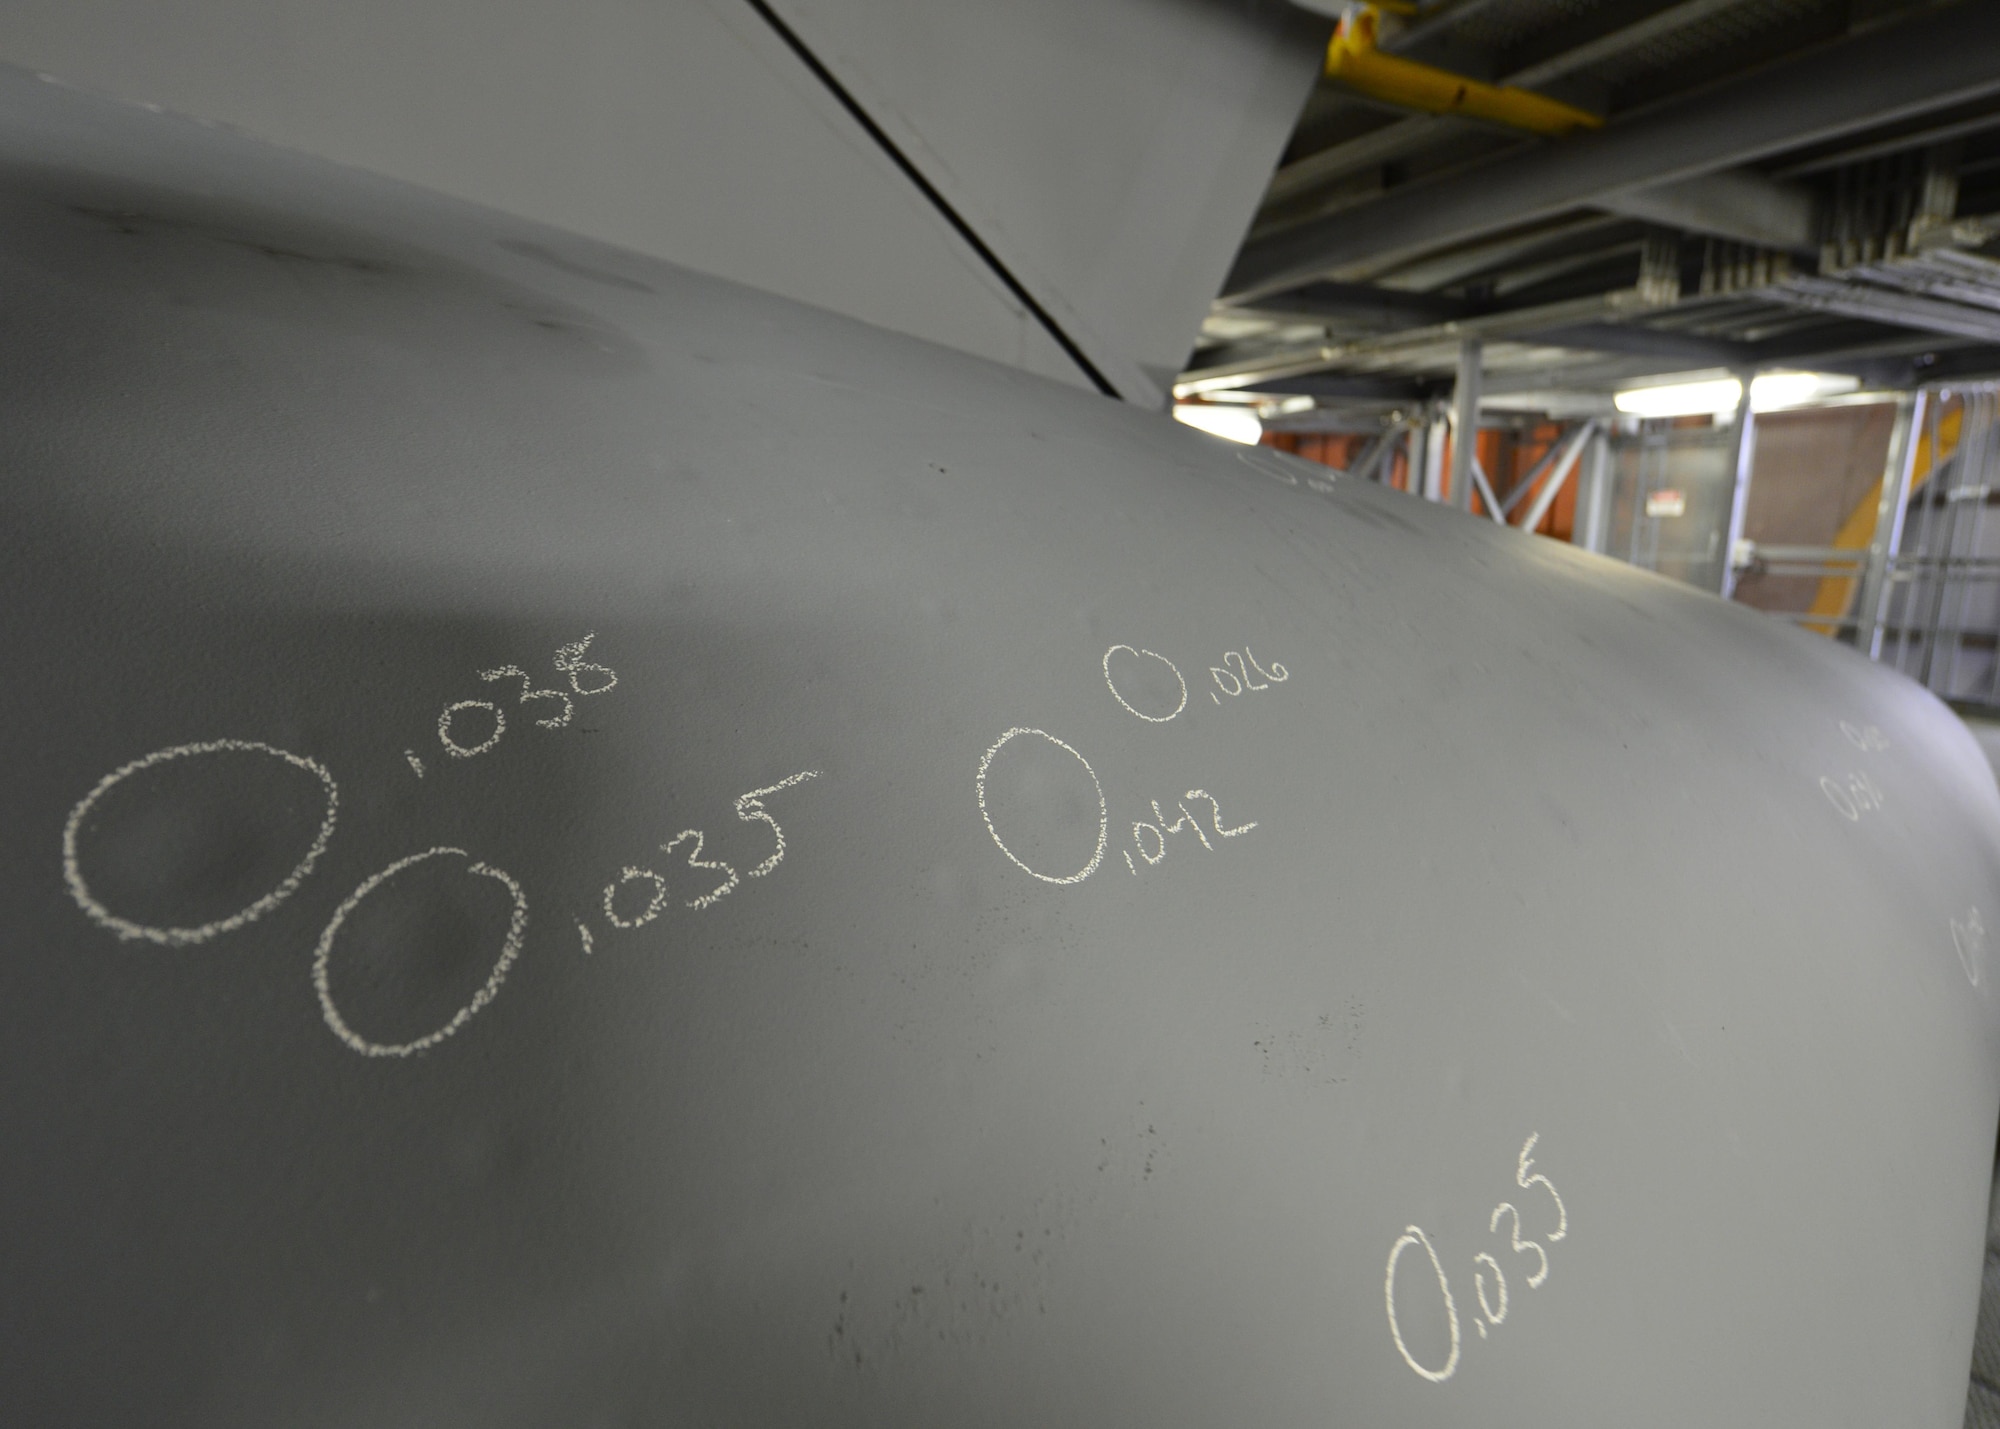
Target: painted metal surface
x=586 y=845
x=1109 y=156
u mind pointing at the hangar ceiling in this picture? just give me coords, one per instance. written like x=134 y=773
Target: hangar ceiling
x=1775 y=183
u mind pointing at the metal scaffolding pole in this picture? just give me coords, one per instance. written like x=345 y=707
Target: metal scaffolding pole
x=1743 y=451
x=1434 y=434
x=1464 y=422
x=1872 y=609
x=1567 y=451
x=1593 y=495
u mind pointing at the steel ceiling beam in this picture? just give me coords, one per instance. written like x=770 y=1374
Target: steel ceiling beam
x=1389 y=308
x=1638 y=341
x=1887 y=305
x=1730 y=203
x=1883 y=76
x=1261 y=370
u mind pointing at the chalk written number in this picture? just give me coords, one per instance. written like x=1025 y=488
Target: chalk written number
x=1238 y=681
x=1493 y=1309
x=585 y=678
x=1856 y=795
x=750 y=809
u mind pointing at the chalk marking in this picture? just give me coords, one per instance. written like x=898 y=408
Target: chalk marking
x=1221 y=675
x=659 y=899
x=1138 y=843
x=1479 y=1286
x=1186 y=818
x=1103 y=809
x=459 y=751
x=1869 y=737
x=750 y=809
x=183 y=937
x=510 y=948
x=695 y=860
x=1215 y=810
x=1524 y=1181
x=1214 y=698
x=1413 y=1235
x=584 y=933
x=415 y=763
x=1838 y=798
x=529 y=692
x=569 y=660
x=1969 y=938
x=1493 y=1225
x=1150 y=719
x=1277 y=673
x=1243 y=672
x=1128 y=862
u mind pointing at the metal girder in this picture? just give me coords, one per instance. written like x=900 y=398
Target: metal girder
x=1923 y=64
x=1361 y=388
x=1262 y=370
x=1363 y=467
x=1641 y=341
x=1894 y=144
x=1568 y=450
x=1485 y=487
x=1465 y=428
x=1730 y=203
x=1388 y=308
x=1872 y=609
x=1743 y=448
x=1943 y=273
x=1886 y=305
x=1947 y=364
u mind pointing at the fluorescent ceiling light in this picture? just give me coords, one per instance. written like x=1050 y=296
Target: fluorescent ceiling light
x=1771 y=392
x=1776 y=390
x=1681 y=399
x=1236 y=424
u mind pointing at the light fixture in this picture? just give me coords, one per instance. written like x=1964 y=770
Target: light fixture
x=1681 y=399
x=1770 y=392
x=1776 y=390
x=1236 y=424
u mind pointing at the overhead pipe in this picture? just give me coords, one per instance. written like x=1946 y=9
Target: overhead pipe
x=1353 y=58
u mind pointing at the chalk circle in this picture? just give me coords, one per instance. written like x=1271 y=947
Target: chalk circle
x=1103 y=809
x=1837 y=796
x=510 y=948
x=182 y=937
x=452 y=746
x=1150 y=719
x=1414 y=1235
x=653 y=908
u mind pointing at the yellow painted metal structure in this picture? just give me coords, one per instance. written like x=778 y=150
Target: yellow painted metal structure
x=1836 y=593
x=1354 y=60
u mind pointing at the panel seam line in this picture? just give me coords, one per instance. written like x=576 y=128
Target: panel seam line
x=930 y=191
